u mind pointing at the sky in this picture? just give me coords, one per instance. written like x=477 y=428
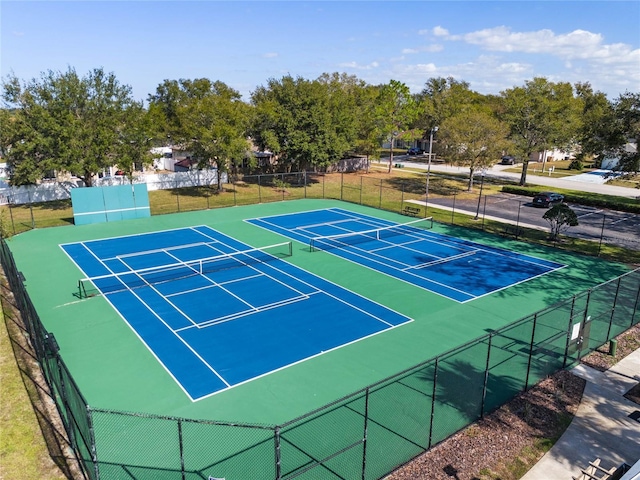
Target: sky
x=493 y=46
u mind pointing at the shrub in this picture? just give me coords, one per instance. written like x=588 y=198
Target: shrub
x=576 y=165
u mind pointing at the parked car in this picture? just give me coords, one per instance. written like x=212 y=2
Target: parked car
x=508 y=160
x=415 y=151
x=547 y=199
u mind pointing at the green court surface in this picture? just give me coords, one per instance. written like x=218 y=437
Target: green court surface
x=115 y=371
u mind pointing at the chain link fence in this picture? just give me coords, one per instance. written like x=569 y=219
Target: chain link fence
x=447 y=201
x=362 y=436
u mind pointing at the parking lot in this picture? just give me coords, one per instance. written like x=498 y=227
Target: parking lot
x=616 y=228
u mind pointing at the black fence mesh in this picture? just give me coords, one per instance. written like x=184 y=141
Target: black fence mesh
x=365 y=435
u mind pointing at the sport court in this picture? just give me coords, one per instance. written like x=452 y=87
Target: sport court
x=214 y=311
x=458 y=269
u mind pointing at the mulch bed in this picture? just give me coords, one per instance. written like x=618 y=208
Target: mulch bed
x=490 y=448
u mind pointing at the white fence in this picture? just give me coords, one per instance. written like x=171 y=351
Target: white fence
x=48 y=192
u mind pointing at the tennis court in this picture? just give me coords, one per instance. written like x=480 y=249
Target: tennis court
x=458 y=269
x=214 y=311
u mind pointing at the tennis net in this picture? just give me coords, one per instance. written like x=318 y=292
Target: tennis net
x=341 y=240
x=132 y=279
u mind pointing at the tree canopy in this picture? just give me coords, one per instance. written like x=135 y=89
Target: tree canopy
x=541 y=115
x=64 y=122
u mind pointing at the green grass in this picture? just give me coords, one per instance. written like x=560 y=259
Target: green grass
x=23 y=451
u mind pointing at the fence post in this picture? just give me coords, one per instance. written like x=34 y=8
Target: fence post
x=486 y=374
x=533 y=336
x=613 y=309
x=635 y=305
x=259 y=190
x=361 y=187
x=484 y=211
x=278 y=459
x=92 y=437
x=13 y=225
x=33 y=222
x=518 y=218
x=433 y=401
x=364 y=438
x=566 y=347
x=65 y=403
x=453 y=208
x=304 y=179
x=586 y=317
x=175 y=186
x=341 y=184
x=181 y=446
x=380 y=202
x=283 y=188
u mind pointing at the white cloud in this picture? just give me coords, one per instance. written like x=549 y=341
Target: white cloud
x=270 y=55
x=426 y=48
x=578 y=44
x=357 y=66
x=440 y=31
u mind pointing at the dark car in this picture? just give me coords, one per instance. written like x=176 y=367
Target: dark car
x=508 y=160
x=546 y=199
x=415 y=151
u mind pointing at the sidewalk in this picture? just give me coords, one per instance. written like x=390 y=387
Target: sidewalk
x=601 y=427
x=497 y=171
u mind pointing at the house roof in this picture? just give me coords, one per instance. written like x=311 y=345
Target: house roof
x=186 y=163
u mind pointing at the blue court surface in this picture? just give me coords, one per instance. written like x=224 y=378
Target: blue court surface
x=217 y=313
x=459 y=269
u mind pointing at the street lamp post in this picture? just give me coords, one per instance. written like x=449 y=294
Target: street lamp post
x=433 y=130
x=482 y=174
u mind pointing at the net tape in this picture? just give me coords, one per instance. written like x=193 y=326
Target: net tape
x=131 y=279
x=328 y=242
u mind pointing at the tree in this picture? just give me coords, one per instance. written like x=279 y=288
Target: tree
x=560 y=218
x=64 y=122
x=397 y=109
x=214 y=127
x=133 y=152
x=475 y=139
x=442 y=98
x=170 y=97
x=627 y=112
x=541 y=115
x=305 y=123
x=369 y=123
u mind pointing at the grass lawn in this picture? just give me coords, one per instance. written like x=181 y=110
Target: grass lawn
x=23 y=451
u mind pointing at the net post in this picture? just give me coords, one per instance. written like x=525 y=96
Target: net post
x=82 y=293
x=290 y=249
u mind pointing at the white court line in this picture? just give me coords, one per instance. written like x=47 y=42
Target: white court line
x=137 y=334
x=313 y=287
x=247 y=313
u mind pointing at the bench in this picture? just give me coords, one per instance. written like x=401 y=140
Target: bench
x=513 y=230
x=399 y=165
x=411 y=211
